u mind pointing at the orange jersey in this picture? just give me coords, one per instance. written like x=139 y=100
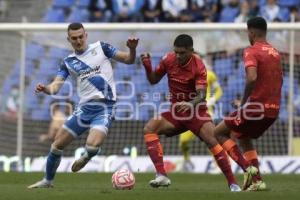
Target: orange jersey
x=182 y=80
x=267 y=90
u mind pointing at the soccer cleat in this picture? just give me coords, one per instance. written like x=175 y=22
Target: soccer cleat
x=235 y=188
x=160 y=181
x=79 y=164
x=258 y=186
x=41 y=184
x=251 y=171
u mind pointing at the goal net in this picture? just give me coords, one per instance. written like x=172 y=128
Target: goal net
x=138 y=101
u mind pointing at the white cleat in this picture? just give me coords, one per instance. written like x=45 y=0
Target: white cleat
x=79 y=164
x=160 y=181
x=41 y=184
x=235 y=188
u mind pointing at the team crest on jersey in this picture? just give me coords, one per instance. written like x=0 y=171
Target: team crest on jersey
x=77 y=66
x=94 y=52
x=74 y=62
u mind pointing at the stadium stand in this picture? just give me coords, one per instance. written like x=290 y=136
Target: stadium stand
x=42 y=61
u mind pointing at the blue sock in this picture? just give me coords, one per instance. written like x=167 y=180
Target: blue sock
x=90 y=151
x=53 y=162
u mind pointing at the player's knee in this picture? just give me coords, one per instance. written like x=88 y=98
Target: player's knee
x=148 y=129
x=56 y=150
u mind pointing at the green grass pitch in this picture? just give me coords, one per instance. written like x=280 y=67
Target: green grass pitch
x=97 y=186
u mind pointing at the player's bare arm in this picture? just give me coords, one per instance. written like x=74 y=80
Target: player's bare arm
x=128 y=57
x=52 y=88
x=199 y=98
x=251 y=76
x=152 y=76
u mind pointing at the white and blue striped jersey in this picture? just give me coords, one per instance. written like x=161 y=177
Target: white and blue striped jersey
x=93 y=71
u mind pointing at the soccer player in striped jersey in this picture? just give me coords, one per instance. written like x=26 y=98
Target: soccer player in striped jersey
x=90 y=65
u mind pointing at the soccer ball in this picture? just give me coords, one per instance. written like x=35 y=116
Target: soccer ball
x=123 y=179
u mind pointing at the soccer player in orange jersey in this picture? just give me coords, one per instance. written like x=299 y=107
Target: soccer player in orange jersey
x=260 y=104
x=187 y=84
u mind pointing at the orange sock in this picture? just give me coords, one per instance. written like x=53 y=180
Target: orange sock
x=223 y=162
x=251 y=157
x=155 y=151
x=234 y=152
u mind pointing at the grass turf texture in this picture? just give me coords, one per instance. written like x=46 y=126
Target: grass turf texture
x=94 y=186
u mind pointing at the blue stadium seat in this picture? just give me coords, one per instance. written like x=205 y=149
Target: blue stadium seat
x=41 y=114
x=262 y=2
x=241 y=69
x=288 y=3
x=34 y=51
x=29 y=68
x=284 y=15
x=283 y=113
x=223 y=67
x=54 y=15
x=124 y=69
x=59 y=53
x=79 y=15
x=63 y=3
x=48 y=68
x=228 y=14
x=83 y=3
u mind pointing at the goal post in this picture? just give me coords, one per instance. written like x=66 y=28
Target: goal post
x=38 y=44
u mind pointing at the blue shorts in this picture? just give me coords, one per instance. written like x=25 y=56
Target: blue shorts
x=91 y=115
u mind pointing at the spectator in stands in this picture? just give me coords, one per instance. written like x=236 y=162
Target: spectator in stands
x=3 y=9
x=194 y=7
x=270 y=11
x=230 y=11
x=173 y=8
x=100 y=10
x=127 y=10
x=295 y=13
x=11 y=104
x=254 y=8
x=244 y=13
x=209 y=9
x=152 y=10
x=201 y=10
x=58 y=118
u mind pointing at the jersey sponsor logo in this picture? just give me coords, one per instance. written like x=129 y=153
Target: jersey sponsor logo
x=84 y=74
x=272 y=106
x=179 y=81
x=94 y=52
x=77 y=66
x=74 y=62
x=271 y=51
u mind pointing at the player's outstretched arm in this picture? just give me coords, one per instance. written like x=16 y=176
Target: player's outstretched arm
x=128 y=57
x=52 y=88
x=152 y=76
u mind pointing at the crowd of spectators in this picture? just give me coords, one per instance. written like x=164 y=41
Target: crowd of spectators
x=191 y=10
